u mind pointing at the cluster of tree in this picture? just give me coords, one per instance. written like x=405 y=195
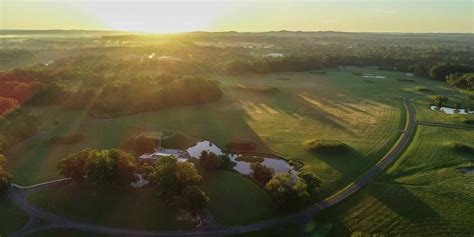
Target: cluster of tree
x=210 y=161
x=152 y=94
x=458 y=75
x=291 y=193
x=461 y=80
x=99 y=166
x=439 y=100
x=178 y=182
x=261 y=173
x=5 y=177
x=140 y=144
x=7 y=105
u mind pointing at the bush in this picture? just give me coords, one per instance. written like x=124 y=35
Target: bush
x=422 y=89
x=326 y=146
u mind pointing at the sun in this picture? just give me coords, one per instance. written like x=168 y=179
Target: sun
x=155 y=17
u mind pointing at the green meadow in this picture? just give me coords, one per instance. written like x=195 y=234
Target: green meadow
x=425 y=191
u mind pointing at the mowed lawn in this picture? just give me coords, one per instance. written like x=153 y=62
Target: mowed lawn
x=138 y=208
x=236 y=200
x=423 y=192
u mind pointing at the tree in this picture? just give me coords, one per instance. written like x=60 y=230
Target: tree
x=75 y=165
x=5 y=177
x=144 y=144
x=193 y=199
x=288 y=193
x=440 y=72
x=439 y=100
x=113 y=166
x=308 y=174
x=261 y=173
x=210 y=161
x=171 y=177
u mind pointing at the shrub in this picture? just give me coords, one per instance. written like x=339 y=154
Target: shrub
x=422 y=89
x=326 y=146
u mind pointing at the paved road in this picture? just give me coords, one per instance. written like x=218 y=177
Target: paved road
x=444 y=125
x=17 y=195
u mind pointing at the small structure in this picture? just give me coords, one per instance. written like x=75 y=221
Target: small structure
x=161 y=152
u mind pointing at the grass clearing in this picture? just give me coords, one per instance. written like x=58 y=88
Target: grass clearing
x=112 y=206
x=12 y=217
x=235 y=199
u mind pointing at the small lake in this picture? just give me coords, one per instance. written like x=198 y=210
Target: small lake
x=448 y=110
x=243 y=167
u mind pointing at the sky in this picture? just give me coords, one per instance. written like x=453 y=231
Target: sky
x=161 y=16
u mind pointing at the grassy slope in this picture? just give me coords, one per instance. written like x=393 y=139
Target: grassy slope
x=423 y=192
x=128 y=208
x=231 y=193
x=12 y=217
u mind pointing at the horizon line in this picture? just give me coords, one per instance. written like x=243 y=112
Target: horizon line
x=233 y=31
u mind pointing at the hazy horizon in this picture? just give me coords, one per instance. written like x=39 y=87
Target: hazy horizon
x=398 y=16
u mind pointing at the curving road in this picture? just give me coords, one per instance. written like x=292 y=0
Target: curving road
x=17 y=194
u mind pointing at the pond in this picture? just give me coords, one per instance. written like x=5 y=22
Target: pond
x=468 y=170
x=274 y=55
x=243 y=167
x=366 y=75
x=448 y=110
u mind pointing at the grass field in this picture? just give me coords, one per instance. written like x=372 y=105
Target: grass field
x=336 y=105
x=112 y=206
x=423 y=192
x=236 y=200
